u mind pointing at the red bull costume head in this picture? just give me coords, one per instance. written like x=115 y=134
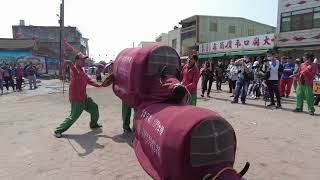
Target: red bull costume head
x=173 y=140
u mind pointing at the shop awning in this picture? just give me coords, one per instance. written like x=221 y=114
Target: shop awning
x=244 y=53
x=204 y=56
x=285 y=49
x=305 y=48
x=256 y=52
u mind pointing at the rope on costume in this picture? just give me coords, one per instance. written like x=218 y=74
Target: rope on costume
x=222 y=171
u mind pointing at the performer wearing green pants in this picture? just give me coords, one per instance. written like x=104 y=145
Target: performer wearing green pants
x=126 y=115
x=192 y=99
x=305 y=93
x=78 y=97
x=190 y=76
x=305 y=74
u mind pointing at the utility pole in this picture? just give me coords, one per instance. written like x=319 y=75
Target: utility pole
x=61 y=22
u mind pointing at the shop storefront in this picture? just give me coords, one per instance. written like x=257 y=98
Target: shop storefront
x=233 y=48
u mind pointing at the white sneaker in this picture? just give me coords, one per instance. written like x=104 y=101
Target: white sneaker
x=58 y=135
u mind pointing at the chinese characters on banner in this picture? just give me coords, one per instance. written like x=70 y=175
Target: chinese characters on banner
x=265 y=41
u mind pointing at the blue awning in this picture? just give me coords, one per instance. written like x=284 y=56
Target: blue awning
x=8 y=53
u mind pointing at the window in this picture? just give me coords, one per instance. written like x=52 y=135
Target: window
x=174 y=43
x=232 y=29
x=213 y=27
x=300 y=20
x=316 y=18
x=286 y=22
x=251 y=32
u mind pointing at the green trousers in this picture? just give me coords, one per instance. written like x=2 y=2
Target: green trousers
x=193 y=99
x=305 y=93
x=126 y=115
x=77 y=108
x=295 y=84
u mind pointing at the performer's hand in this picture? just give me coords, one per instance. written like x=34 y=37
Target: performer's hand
x=309 y=67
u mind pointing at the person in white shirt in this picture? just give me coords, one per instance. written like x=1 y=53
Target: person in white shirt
x=273 y=81
x=233 y=76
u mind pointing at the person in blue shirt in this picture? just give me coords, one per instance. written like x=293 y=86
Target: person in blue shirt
x=286 y=81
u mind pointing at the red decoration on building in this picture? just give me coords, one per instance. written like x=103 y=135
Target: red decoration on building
x=18 y=34
x=296 y=38
x=274 y=39
x=302 y=2
x=284 y=40
x=256 y=41
x=246 y=42
x=214 y=47
x=266 y=41
x=229 y=45
x=222 y=45
x=317 y=36
x=238 y=43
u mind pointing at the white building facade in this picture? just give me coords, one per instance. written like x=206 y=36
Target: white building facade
x=298 y=27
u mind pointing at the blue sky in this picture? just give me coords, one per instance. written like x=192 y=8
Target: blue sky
x=113 y=25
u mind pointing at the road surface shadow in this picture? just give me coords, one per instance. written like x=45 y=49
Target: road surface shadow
x=122 y=138
x=87 y=141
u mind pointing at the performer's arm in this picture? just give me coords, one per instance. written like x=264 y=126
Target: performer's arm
x=93 y=83
x=296 y=73
x=181 y=73
x=72 y=66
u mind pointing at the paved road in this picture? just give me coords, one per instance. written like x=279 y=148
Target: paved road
x=279 y=144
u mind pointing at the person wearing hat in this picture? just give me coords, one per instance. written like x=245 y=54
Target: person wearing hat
x=256 y=81
x=305 y=75
x=190 y=76
x=78 y=97
x=286 y=81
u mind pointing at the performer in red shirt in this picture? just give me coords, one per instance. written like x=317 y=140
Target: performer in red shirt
x=190 y=76
x=78 y=96
x=305 y=75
